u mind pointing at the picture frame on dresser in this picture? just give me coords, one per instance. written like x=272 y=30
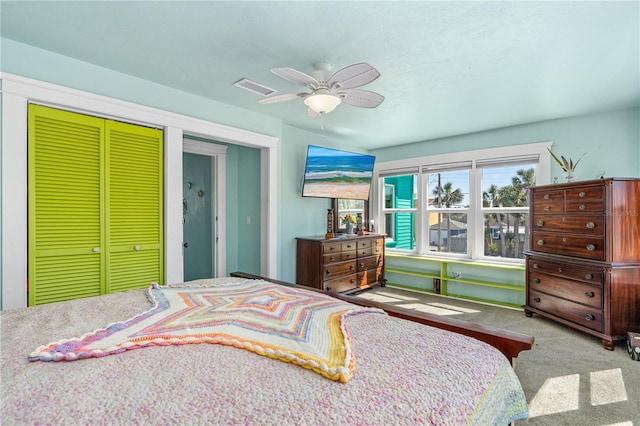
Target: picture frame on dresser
x=583 y=263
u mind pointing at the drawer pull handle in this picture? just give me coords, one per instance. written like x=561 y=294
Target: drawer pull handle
x=328 y=271
x=560 y=269
x=332 y=258
x=96 y=250
x=362 y=265
x=352 y=267
x=536 y=266
x=589 y=276
x=540 y=223
x=589 y=317
x=591 y=247
x=540 y=242
x=352 y=281
x=591 y=225
x=536 y=280
x=328 y=288
x=547 y=196
x=536 y=299
x=136 y=248
x=547 y=208
x=582 y=194
x=331 y=248
x=589 y=294
x=582 y=207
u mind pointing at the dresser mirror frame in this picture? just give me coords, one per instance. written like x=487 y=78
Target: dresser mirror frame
x=338 y=213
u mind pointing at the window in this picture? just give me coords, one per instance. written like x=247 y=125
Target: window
x=467 y=205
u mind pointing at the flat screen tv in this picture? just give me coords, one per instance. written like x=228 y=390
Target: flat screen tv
x=332 y=173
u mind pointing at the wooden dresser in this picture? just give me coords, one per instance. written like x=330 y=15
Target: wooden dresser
x=341 y=265
x=583 y=266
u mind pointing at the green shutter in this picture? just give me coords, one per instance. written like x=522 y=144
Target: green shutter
x=134 y=197
x=65 y=151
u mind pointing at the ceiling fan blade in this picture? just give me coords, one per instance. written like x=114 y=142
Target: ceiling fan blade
x=296 y=77
x=361 y=98
x=281 y=98
x=311 y=113
x=353 y=76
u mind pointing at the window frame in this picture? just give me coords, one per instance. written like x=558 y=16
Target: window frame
x=478 y=160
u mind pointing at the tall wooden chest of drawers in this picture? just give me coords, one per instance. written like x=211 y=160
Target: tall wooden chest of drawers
x=341 y=265
x=583 y=266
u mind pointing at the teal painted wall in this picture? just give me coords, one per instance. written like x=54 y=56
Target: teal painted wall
x=610 y=139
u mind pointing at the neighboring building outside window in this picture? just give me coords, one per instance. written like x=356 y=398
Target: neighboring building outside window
x=466 y=205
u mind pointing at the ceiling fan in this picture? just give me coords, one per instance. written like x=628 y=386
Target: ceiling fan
x=329 y=90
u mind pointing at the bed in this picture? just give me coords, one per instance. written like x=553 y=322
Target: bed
x=395 y=368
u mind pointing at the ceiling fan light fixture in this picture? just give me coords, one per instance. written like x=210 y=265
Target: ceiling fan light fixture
x=322 y=101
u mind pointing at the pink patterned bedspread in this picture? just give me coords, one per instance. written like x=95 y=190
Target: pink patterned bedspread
x=405 y=373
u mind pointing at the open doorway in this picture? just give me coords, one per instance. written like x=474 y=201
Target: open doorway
x=203 y=188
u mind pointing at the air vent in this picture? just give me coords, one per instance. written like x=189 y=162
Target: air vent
x=254 y=87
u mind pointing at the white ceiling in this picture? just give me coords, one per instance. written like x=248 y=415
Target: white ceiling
x=447 y=68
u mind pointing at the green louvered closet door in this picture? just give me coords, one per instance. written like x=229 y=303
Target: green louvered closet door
x=134 y=197
x=73 y=250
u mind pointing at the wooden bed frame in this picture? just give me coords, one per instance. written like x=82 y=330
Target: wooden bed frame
x=508 y=342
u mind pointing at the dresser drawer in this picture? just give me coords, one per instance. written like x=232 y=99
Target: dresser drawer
x=363 y=244
x=331 y=248
x=348 y=246
x=573 y=272
x=370 y=262
x=587 y=206
x=377 y=246
x=578 y=224
x=585 y=247
x=339 y=285
x=339 y=269
x=339 y=256
x=575 y=291
x=584 y=193
x=580 y=314
x=369 y=278
x=545 y=207
x=548 y=196
x=365 y=252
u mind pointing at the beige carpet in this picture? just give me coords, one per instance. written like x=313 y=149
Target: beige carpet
x=568 y=378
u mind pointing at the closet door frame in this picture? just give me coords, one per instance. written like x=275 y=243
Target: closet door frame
x=18 y=91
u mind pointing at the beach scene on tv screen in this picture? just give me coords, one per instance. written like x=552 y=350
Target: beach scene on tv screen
x=337 y=174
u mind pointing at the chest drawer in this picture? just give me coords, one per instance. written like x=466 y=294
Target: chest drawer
x=339 y=256
x=341 y=284
x=348 y=246
x=584 y=193
x=586 y=316
x=370 y=262
x=575 y=291
x=545 y=207
x=364 y=244
x=585 y=247
x=579 y=224
x=548 y=196
x=587 y=206
x=336 y=270
x=331 y=248
x=573 y=272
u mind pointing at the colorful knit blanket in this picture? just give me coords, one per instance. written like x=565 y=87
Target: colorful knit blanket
x=293 y=325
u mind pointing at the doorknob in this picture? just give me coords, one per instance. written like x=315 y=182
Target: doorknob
x=186 y=245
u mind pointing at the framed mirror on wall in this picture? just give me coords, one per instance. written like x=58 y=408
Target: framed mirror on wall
x=342 y=207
